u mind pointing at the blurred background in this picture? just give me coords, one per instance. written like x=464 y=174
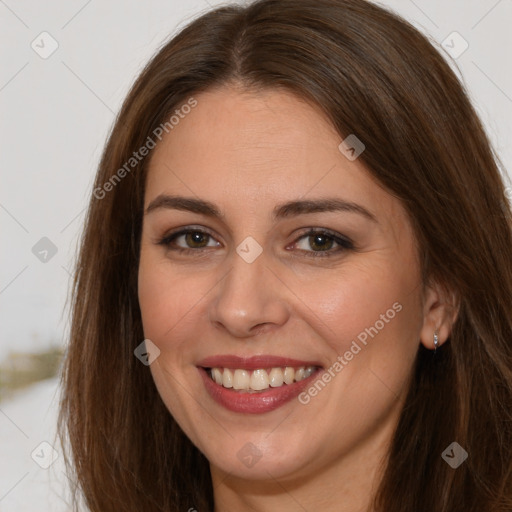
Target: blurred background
x=66 y=67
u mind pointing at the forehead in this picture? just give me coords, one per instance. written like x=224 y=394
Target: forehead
x=253 y=150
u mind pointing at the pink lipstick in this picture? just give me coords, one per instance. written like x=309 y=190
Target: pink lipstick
x=257 y=384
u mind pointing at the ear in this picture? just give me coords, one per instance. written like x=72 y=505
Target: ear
x=440 y=310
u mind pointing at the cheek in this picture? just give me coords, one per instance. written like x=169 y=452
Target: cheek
x=172 y=302
x=155 y=300
x=368 y=313
x=163 y=299
x=350 y=300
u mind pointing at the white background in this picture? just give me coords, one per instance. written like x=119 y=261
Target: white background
x=56 y=114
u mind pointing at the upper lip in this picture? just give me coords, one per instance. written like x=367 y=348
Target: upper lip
x=253 y=362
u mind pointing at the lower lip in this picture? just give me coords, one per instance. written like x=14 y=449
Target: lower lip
x=254 y=403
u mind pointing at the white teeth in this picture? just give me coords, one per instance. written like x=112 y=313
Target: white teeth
x=227 y=378
x=241 y=379
x=308 y=372
x=289 y=375
x=217 y=376
x=276 y=377
x=261 y=379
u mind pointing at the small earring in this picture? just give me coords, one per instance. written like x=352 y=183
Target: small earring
x=436 y=341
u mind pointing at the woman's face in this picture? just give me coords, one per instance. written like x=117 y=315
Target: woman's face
x=265 y=249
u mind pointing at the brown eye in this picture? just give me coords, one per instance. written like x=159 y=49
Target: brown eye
x=320 y=242
x=189 y=239
x=196 y=239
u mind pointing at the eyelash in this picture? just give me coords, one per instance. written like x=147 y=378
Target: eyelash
x=344 y=244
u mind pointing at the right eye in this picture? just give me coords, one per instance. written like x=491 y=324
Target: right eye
x=187 y=240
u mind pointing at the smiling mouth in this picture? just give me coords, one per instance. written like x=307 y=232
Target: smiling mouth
x=259 y=380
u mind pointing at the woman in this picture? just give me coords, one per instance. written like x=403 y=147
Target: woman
x=294 y=289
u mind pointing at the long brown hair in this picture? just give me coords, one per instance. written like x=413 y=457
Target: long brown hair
x=376 y=76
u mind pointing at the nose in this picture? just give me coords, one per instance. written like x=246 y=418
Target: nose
x=249 y=300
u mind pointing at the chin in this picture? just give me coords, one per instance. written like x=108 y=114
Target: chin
x=261 y=456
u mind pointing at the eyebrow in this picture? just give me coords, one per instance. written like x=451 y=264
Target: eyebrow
x=285 y=210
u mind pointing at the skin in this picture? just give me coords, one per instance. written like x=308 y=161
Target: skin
x=247 y=152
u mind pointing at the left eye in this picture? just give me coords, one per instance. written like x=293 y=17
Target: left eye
x=322 y=242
